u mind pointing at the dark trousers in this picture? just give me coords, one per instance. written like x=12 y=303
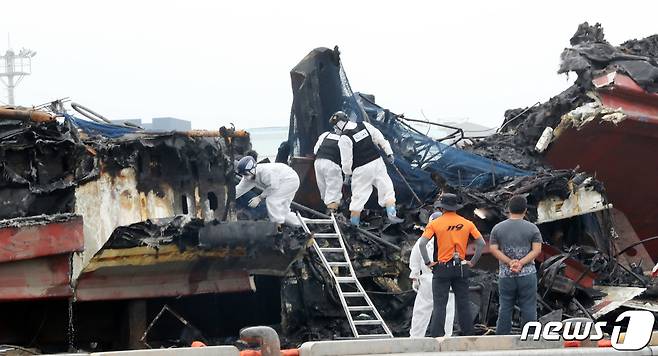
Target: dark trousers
x=516 y=290
x=444 y=278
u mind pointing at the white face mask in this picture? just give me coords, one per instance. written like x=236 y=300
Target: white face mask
x=340 y=126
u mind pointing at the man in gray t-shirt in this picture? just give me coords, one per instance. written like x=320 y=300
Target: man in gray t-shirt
x=516 y=243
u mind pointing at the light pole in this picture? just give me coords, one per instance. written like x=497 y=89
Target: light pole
x=15 y=67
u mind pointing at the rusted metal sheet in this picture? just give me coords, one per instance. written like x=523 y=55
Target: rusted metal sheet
x=621 y=158
x=38 y=278
x=130 y=281
x=638 y=254
x=24 y=114
x=581 y=201
x=308 y=193
x=35 y=256
x=41 y=238
x=618 y=156
x=112 y=201
x=619 y=91
x=115 y=200
x=644 y=303
x=176 y=257
x=148 y=256
x=615 y=298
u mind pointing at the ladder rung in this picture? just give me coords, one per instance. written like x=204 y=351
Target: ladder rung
x=360 y=308
x=349 y=280
x=374 y=336
x=345 y=279
x=331 y=249
x=318 y=221
x=367 y=322
x=339 y=264
x=354 y=294
x=323 y=235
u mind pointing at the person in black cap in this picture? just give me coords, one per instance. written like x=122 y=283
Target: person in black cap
x=363 y=166
x=450 y=269
x=328 y=173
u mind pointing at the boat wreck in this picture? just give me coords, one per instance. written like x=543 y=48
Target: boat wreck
x=117 y=238
x=605 y=123
x=589 y=257
x=111 y=218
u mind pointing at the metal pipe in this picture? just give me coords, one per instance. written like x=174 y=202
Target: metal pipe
x=583 y=309
x=516 y=117
x=265 y=336
x=407 y=184
x=18 y=114
x=398 y=119
x=640 y=279
x=635 y=244
x=432 y=123
x=91 y=115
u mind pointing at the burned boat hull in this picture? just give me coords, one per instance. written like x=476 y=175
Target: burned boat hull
x=181 y=257
x=35 y=261
x=620 y=154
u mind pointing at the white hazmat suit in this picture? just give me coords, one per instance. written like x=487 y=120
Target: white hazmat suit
x=328 y=174
x=279 y=184
x=372 y=174
x=424 y=302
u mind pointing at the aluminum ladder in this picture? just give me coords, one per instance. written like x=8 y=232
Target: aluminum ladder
x=330 y=246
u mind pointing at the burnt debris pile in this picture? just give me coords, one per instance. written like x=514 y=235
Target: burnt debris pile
x=580 y=258
x=42 y=163
x=160 y=208
x=589 y=56
x=162 y=203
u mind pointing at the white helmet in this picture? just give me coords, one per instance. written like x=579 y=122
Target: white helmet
x=245 y=165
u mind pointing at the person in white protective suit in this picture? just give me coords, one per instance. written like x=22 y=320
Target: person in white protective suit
x=421 y=277
x=328 y=173
x=279 y=184
x=363 y=165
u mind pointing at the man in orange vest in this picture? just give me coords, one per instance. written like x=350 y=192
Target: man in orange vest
x=451 y=269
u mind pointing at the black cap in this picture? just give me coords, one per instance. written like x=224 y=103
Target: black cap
x=448 y=202
x=338 y=116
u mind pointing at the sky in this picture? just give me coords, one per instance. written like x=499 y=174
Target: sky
x=216 y=62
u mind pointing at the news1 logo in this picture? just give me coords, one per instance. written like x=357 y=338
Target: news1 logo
x=637 y=336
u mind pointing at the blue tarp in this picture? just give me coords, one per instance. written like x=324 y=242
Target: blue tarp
x=94 y=128
x=464 y=169
x=458 y=167
x=417 y=155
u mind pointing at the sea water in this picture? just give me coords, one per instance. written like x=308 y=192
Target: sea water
x=266 y=140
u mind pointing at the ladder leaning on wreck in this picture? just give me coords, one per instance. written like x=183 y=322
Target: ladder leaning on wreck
x=347 y=285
